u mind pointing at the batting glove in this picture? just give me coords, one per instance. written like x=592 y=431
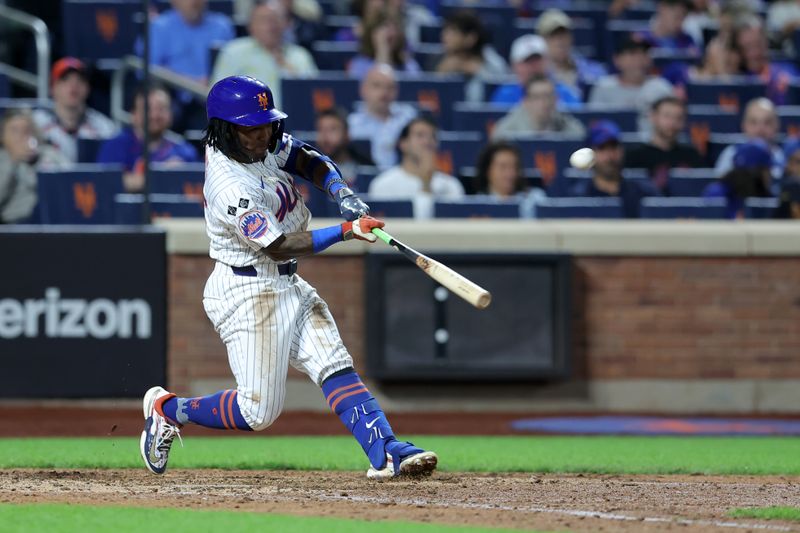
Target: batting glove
x=361 y=229
x=350 y=206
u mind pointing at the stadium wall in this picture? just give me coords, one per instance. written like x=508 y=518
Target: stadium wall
x=667 y=317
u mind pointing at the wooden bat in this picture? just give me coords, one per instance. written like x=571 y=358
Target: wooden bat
x=449 y=278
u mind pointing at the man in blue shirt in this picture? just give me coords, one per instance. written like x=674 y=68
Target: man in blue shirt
x=127 y=147
x=607 y=180
x=666 y=28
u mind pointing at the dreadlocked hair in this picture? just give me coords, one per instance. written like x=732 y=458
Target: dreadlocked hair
x=221 y=136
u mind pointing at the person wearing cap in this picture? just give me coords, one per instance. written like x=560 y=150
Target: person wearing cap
x=749 y=177
x=70 y=119
x=127 y=147
x=666 y=28
x=791 y=154
x=537 y=113
x=607 y=179
x=566 y=66
x=759 y=121
x=528 y=59
x=633 y=86
x=664 y=150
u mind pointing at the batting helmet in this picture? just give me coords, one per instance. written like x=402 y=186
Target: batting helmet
x=242 y=100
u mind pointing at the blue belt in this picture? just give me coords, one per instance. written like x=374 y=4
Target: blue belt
x=284 y=269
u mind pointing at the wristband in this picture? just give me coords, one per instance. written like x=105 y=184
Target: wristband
x=325 y=237
x=333 y=183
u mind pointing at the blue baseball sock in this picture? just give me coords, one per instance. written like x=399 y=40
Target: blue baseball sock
x=219 y=411
x=361 y=414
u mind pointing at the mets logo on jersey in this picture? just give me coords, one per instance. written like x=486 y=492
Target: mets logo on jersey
x=253 y=224
x=263 y=100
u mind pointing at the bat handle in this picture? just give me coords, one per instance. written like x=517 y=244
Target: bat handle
x=382 y=235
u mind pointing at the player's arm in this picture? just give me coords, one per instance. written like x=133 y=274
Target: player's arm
x=291 y=245
x=306 y=161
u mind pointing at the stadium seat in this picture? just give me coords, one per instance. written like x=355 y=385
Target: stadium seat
x=88 y=149
x=480 y=117
x=364 y=176
x=84 y=194
x=457 y=149
x=579 y=208
x=186 y=180
x=390 y=208
x=5 y=88
x=732 y=95
x=790 y=119
x=760 y=208
x=469 y=175
x=679 y=207
x=626 y=119
x=477 y=208
x=219 y=6
x=547 y=153
x=687 y=182
x=584 y=37
x=572 y=177
x=100 y=29
x=129 y=209
x=333 y=55
x=704 y=120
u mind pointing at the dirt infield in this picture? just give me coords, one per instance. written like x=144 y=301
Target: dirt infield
x=519 y=501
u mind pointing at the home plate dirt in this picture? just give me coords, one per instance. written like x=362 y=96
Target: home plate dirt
x=521 y=501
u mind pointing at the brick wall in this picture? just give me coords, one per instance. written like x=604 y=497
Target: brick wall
x=635 y=317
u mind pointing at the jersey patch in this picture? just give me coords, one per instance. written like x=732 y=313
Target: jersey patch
x=231 y=210
x=244 y=203
x=253 y=224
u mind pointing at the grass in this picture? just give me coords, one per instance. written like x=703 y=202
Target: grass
x=791 y=514
x=613 y=455
x=63 y=518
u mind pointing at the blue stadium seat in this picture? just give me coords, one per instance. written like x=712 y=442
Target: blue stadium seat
x=333 y=55
x=84 y=194
x=547 y=153
x=5 y=88
x=390 y=208
x=186 y=180
x=128 y=208
x=480 y=117
x=457 y=149
x=790 y=119
x=732 y=95
x=579 y=208
x=364 y=176
x=219 y=6
x=679 y=207
x=88 y=149
x=760 y=208
x=477 y=208
x=687 y=182
x=715 y=118
x=626 y=119
x=100 y=29
x=571 y=177
x=469 y=175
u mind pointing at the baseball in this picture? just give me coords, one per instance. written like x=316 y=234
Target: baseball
x=582 y=158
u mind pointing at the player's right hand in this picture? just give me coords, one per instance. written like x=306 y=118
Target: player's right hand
x=361 y=229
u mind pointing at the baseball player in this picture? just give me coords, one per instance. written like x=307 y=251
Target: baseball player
x=268 y=316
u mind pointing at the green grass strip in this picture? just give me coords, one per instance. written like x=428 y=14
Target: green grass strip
x=612 y=455
x=791 y=514
x=64 y=518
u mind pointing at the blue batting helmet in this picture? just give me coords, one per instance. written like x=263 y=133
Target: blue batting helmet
x=242 y=100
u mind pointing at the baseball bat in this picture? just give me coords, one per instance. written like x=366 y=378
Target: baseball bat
x=447 y=277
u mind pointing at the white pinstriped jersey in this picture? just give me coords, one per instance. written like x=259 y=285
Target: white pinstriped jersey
x=248 y=206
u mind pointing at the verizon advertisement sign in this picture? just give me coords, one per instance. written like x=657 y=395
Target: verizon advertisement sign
x=83 y=313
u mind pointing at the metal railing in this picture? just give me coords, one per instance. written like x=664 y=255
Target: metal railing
x=165 y=76
x=39 y=81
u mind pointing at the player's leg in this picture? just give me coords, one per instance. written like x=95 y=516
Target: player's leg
x=319 y=352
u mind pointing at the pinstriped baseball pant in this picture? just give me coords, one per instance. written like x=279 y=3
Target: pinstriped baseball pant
x=268 y=322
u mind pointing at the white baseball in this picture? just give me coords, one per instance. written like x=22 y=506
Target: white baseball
x=582 y=158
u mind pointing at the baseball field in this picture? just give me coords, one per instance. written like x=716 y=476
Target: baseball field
x=485 y=483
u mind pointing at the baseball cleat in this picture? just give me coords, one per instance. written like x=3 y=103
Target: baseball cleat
x=417 y=463
x=158 y=433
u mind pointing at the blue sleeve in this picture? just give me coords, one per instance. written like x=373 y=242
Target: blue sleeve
x=111 y=151
x=187 y=152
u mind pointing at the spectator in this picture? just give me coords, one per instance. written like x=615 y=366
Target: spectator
x=760 y=121
x=789 y=207
x=380 y=118
x=720 y=63
x=414 y=15
x=181 y=38
x=703 y=14
x=265 y=55
x=750 y=41
x=382 y=42
x=664 y=151
x=537 y=113
x=126 y=148
x=749 y=177
x=22 y=153
x=529 y=59
x=467 y=52
x=633 y=86
x=70 y=119
x=666 y=28
x=607 y=179
x=783 y=19
x=333 y=139
x=499 y=176
x=416 y=177
x=791 y=154
x=566 y=66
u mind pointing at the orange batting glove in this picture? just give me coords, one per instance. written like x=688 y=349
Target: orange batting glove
x=361 y=229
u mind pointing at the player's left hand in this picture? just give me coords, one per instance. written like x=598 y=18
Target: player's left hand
x=350 y=205
x=361 y=229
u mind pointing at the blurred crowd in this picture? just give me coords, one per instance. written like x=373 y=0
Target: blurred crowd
x=540 y=82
